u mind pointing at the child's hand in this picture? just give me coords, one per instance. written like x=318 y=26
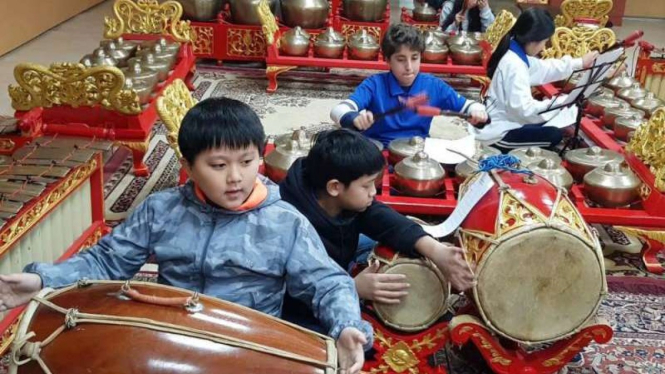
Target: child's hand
x=18 y=289
x=589 y=58
x=450 y=260
x=478 y=114
x=350 y=353
x=382 y=288
x=459 y=18
x=364 y=121
x=482 y=4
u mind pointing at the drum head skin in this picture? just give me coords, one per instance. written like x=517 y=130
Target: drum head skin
x=425 y=303
x=539 y=286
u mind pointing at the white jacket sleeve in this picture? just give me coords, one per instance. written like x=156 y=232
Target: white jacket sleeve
x=552 y=70
x=520 y=105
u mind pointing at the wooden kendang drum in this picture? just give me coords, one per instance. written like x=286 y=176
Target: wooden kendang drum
x=539 y=267
x=428 y=294
x=103 y=326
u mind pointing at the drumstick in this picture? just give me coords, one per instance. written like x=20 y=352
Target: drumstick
x=431 y=111
x=409 y=103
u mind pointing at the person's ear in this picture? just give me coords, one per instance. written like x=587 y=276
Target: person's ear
x=334 y=187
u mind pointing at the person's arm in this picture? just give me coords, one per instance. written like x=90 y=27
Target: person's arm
x=383 y=224
x=520 y=105
x=346 y=112
x=314 y=278
x=552 y=69
x=446 y=9
x=486 y=15
x=452 y=100
x=118 y=255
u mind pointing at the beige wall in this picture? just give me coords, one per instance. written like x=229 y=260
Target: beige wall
x=645 y=8
x=22 y=20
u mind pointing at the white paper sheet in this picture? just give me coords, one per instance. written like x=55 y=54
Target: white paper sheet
x=439 y=149
x=474 y=193
x=564 y=118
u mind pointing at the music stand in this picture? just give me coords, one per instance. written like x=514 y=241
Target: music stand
x=591 y=80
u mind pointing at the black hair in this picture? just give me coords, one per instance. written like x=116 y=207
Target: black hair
x=342 y=154
x=475 y=25
x=402 y=34
x=219 y=122
x=533 y=25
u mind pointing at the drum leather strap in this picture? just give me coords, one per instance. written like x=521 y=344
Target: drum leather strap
x=73 y=317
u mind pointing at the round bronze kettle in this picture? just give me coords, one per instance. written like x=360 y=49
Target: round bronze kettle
x=120 y=43
x=141 y=74
x=159 y=53
x=597 y=104
x=553 y=172
x=98 y=58
x=143 y=91
x=329 y=44
x=280 y=160
x=245 y=12
x=423 y=12
x=613 y=185
x=148 y=61
x=365 y=10
x=624 y=125
x=363 y=46
x=465 y=169
x=436 y=51
x=633 y=92
x=623 y=110
x=530 y=155
x=648 y=104
x=308 y=14
x=620 y=82
x=460 y=39
x=304 y=139
x=583 y=160
x=294 y=42
x=466 y=54
x=402 y=148
x=202 y=10
x=119 y=54
x=419 y=175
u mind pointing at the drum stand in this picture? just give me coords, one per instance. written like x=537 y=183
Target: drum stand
x=405 y=352
x=515 y=360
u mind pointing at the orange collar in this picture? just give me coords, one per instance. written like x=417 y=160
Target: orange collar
x=256 y=197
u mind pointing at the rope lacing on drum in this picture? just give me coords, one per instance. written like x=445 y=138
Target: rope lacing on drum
x=502 y=162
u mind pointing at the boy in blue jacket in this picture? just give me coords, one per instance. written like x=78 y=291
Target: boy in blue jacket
x=402 y=47
x=225 y=233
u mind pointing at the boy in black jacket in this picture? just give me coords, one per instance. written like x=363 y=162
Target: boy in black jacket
x=334 y=188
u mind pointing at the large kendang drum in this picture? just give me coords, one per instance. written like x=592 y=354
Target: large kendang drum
x=539 y=267
x=427 y=300
x=103 y=326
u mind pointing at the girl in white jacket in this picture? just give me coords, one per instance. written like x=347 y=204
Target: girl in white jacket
x=516 y=116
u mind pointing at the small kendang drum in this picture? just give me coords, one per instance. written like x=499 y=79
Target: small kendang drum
x=539 y=267
x=103 y=326
x=428 y=294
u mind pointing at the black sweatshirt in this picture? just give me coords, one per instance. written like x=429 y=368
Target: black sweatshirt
x=340 y=234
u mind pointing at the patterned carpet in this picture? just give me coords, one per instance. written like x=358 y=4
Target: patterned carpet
x=634 y=306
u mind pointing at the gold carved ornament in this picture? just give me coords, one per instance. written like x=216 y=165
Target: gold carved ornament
x=9 y=335
x=497 y=357
x=93 y=239
x=349 y=30
x=71 y=84
x=148 y=17
x=28 y=219
x=571 y=10
x=647 y=145
x=400 y=356
x=658 y=236
x=175 y=102
x=268 y=23
x=205 y=36
x=499 y=28
x=578 y=41
x=245 y=43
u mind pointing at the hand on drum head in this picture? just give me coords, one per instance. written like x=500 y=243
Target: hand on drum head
x=380 y=288
x=18 y=289
x=450 y=260
x=350 y=353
